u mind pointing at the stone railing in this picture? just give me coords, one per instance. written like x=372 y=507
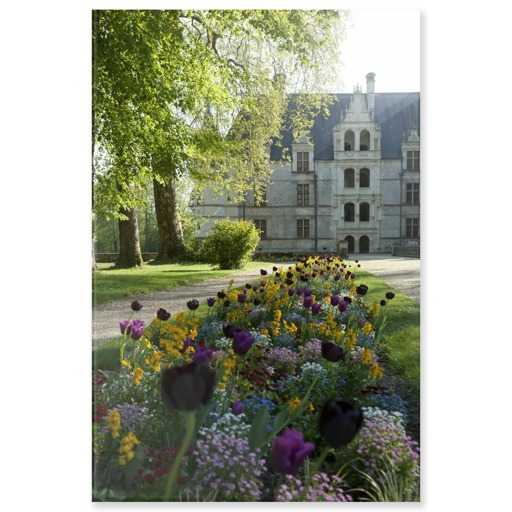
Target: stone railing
x=406 y=251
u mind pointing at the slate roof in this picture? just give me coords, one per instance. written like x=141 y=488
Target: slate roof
x=394 y=112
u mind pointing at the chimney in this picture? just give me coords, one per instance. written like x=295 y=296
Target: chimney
x=370 y=91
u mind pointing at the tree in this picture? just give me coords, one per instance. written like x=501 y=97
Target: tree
x=195 y=94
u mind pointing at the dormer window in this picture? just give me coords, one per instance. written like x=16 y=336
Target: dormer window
x=302 y=161
x=413 y=160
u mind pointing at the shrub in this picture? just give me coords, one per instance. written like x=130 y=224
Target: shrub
x=230 y=244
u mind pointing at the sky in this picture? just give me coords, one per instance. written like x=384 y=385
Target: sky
x=385 y=42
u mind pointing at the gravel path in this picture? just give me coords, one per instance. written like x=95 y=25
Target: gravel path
x=400 y=273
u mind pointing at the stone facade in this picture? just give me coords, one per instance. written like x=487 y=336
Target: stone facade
x=355 y=178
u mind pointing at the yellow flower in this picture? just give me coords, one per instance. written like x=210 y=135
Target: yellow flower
x=126 y=363
x=192 y=334
x=189 y=353
x=154 y=361
x=351 y=339
x=277 y=315
x=375 y=309
x=311 y=408
x=126 y=452
x=367 y=356
x=294 y=402
x=114 y=423
x=137 y=375
x=376 y=371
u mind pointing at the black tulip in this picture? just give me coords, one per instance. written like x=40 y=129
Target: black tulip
x=248 y=286
x=339 y=422
x=263 y=272
x=332 y=352
x=162 y=314
x=274 y=269
x=187 y=387
x=221 y=295
x=383 y=302
x=390 y=295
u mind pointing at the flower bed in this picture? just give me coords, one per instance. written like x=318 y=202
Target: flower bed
x=273 y=395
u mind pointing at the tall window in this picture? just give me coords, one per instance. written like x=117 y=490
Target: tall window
x=302 y=195
x=261 y=226
x=302 y=228
x=364 y=212
x=364 y=140
x=350 y=141
x=413 y=160
x=364 y=178
x=412 y=228
x=349 y=212
x=349 y=178
x=413 y=193
x=303 y=161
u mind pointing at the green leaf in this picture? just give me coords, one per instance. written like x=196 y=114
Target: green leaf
x=259 y=432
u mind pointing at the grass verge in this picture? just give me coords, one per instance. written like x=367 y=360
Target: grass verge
x=110 y=283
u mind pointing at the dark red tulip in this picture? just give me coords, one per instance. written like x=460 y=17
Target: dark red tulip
x=332 y=352
x=162 y=314
x=339 y=422
x=187 y=387
x=136 y=305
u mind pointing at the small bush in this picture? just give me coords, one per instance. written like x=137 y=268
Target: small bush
x=230 y=244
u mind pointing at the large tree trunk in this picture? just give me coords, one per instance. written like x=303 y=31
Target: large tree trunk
x=129 y=244
x=172 y=243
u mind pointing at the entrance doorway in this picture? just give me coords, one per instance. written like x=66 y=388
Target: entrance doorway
x=364 y=244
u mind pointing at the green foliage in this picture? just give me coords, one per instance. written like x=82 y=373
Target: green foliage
x=230 y=244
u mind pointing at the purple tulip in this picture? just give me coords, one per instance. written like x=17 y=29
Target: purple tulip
x=308 y=301
x=210 y=301
x=187 y=387
x=193 y=304
x=242 y=298
x=254 y=288
x=238 y=408
x=126 y=327
x=315 y=308
x=203 y=354
x=335 y=300
x=337 y=277
x=291 y=291
x=136 y=305
x=242 y=342
x=137 y=329
x=342 y=305
x=162 y=314
x=289 y=451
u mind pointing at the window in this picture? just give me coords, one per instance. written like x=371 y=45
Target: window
x=302 y=195
x=413 y=160
x=364 y=212
x=302 y=161
x=302 y=228
x=412 y=228
x=364 y=141
x=350 y=141
x=261 y=226
x=413 y=193
x=349 y=212
x=262 y=200
x=364 y=178
x=349 y=178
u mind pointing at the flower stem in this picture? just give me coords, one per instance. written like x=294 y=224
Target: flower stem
x=190 y=419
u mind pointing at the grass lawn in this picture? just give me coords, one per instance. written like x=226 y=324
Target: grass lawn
x=110 y=283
